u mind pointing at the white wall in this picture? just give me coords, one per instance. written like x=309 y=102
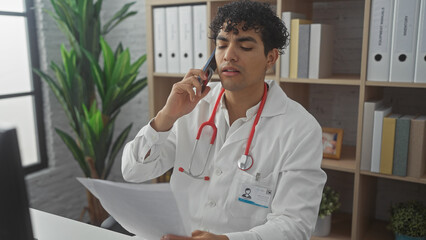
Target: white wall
x=55 y=189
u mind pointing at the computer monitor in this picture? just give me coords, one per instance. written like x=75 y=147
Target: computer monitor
x=15 y=221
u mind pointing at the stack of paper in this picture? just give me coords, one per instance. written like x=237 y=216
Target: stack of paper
x=146 y=210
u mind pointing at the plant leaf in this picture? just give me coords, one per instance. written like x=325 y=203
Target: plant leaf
x=106 y=31
x=109 y=61
x=118 y=16
x=118 y=144
x=137 y=64
x=97 y=74
x=75 y=150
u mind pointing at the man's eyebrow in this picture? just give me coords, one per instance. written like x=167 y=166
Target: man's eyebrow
x=246 y=39
x=240 y=39
x=222 y=38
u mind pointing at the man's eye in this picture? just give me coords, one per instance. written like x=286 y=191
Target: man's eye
x=246 y=49
x=221 y=47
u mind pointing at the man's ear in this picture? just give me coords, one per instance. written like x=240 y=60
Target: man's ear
x=271 y=58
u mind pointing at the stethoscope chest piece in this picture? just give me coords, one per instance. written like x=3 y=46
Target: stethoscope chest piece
x=245 y=162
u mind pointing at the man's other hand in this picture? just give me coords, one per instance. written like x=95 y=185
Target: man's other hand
x=196 y=235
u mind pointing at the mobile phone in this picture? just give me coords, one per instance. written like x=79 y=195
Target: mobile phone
x=208 y=69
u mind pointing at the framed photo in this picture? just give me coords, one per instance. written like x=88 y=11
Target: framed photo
x=332 y=142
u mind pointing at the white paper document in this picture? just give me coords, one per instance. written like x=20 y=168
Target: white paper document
x=147 y=210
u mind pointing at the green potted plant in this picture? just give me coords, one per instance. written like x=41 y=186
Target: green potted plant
x=92 y=94
x=330 y=202
x=408 y=220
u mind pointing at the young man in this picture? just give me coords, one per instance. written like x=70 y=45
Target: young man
x=261 y=177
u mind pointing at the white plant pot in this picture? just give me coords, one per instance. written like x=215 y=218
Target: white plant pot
x=322 y=227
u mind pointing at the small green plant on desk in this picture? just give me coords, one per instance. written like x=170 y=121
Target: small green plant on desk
x=408 y=221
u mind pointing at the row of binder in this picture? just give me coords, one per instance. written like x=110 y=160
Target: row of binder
x=180 y=38
x=310 y=53
x=392 y=143
x=397 y=44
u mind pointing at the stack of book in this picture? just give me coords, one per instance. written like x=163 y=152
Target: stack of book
x=310 y=53
x=392 y=143
x=397 y=44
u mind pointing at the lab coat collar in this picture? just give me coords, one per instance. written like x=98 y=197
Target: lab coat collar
x=276 y=102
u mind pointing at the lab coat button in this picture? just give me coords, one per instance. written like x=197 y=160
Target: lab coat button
x=211 y=204
x=218 y=172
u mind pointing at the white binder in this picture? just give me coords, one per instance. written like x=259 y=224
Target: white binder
x=199 y=13
x=420 y=70
x=379 y=115
x=160 y=60
x=172 y=28
x=367 y=132
x=321 y=51
x=404 y=40
x=285 y=58
x=186 y=50
x=380 y=40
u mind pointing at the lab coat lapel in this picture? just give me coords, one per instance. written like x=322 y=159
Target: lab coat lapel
x=273 y=107
x=242 y=133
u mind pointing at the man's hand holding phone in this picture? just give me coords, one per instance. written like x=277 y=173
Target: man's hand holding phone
x=183 y=99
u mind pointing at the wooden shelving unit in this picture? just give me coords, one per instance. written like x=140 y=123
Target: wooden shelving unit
x=351 y=80
x=360 y=223
x=396 y=84
x=346 y=163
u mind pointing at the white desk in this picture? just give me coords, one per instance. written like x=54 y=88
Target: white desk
x=47 y=226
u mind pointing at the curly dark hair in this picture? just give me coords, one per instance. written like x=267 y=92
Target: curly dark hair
x=253 y=15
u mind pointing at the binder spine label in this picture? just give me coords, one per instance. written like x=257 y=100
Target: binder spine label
x=405 y=27
x=423 y=30
x=381 y=24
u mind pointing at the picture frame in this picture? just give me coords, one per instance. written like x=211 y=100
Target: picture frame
x=332 y=139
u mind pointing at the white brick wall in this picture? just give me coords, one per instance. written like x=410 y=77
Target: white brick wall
x=347 y=19
x=336 y=107
x=55 y=189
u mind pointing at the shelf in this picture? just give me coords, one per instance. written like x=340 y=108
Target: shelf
x=340 y=227
x=406 y=179
x=346 y=79
x=182 y=75
x=378 y=231
x=396 y=84
x=346 y=163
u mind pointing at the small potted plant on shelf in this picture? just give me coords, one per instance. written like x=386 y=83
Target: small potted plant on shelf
x=330 y=202
x=408 y=221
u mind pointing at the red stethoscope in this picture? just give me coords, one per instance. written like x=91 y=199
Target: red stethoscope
x=246 y=160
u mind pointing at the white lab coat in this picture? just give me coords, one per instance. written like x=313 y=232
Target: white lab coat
x=287 y=153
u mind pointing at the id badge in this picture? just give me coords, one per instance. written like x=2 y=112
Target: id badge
x=254 y=195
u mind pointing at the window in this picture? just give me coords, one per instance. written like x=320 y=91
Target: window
x=20 y=92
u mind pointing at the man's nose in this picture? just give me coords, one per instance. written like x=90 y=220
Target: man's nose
x=231 y=54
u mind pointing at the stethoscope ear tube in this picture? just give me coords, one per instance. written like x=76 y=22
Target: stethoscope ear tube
x=206 y=178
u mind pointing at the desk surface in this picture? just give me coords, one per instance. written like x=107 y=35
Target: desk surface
x=47 y=226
